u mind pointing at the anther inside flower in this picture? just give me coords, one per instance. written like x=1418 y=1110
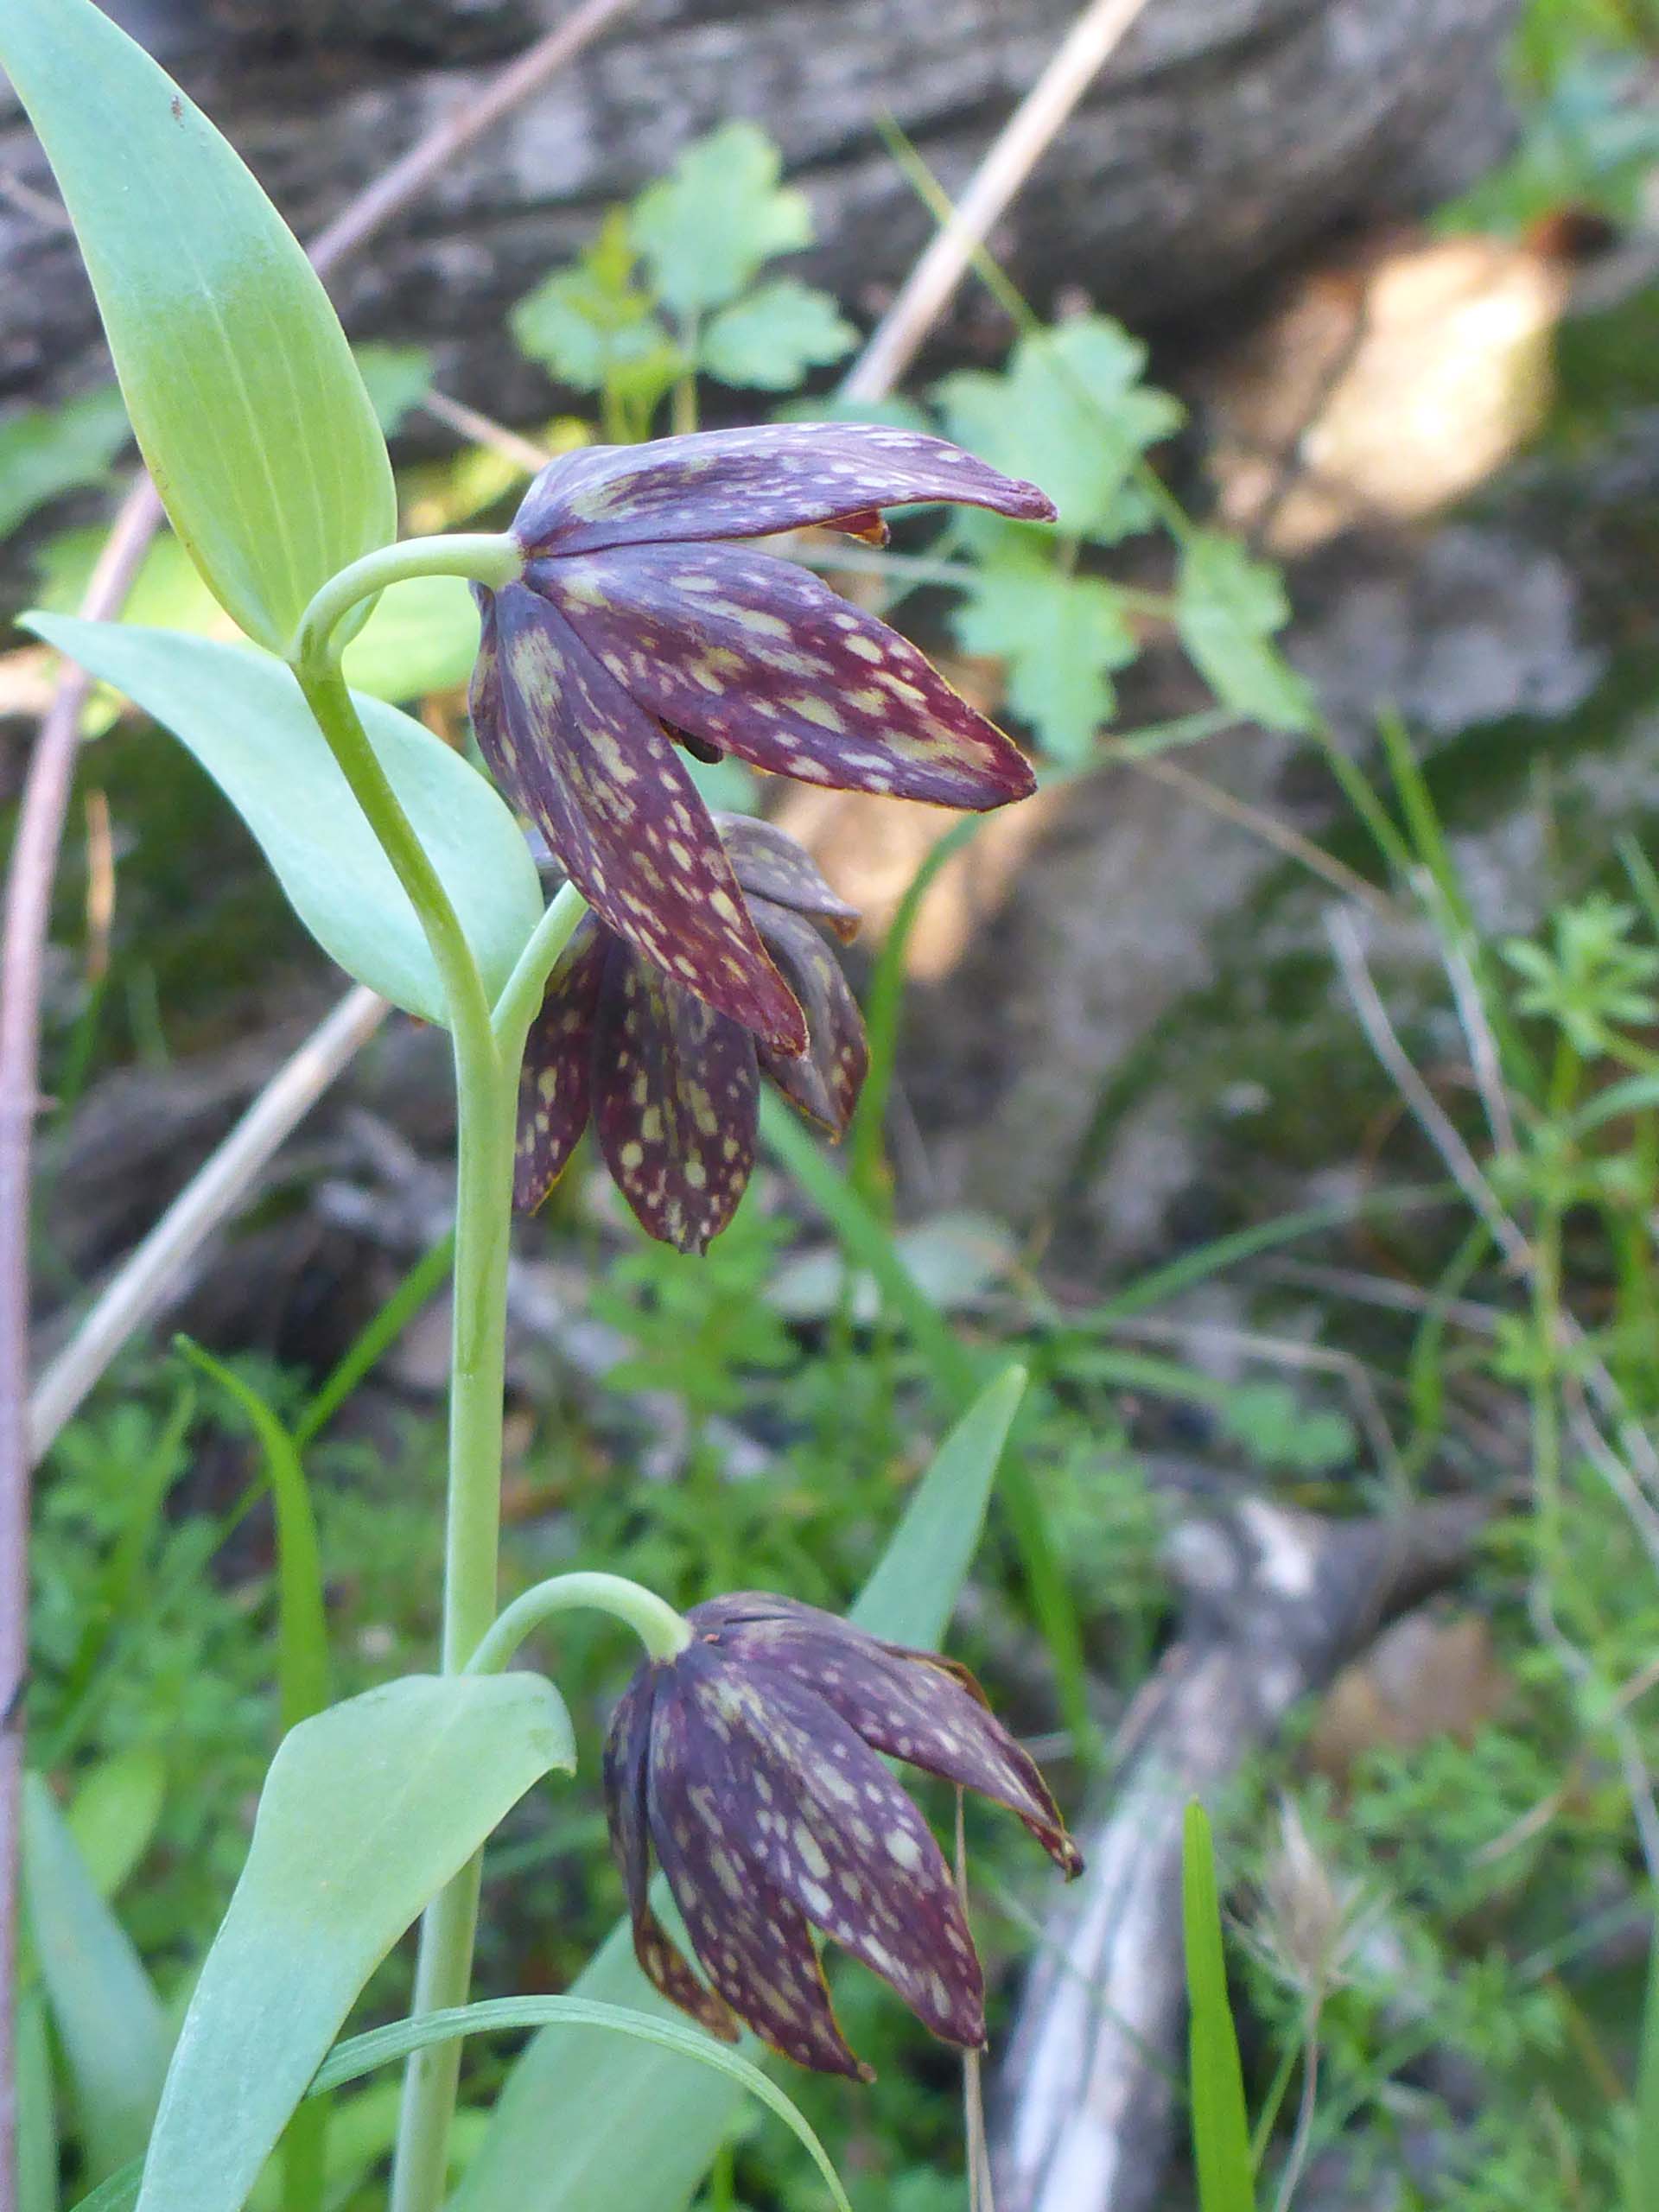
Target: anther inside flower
x=641 y=606
x=750 y=1763
x=672 y=1086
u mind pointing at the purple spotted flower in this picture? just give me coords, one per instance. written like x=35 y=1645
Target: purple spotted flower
x=671 y=1086
x=643 y=616
x=750 y=1763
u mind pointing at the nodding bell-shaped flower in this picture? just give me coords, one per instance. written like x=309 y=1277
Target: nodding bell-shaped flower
x=673 y=1087
x=750 y=1763
x=642 y=615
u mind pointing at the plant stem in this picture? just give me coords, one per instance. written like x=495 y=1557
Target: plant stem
x=491 y=558
x=653 y=1620
x=486 y=1073
x=522 y=993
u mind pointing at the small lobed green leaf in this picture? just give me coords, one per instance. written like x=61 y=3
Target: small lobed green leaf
x=46 y=451
x=1061 y=636
x=237 y=376
x=367 y=1811
x=1071 y=414
x=708 y=228
x=109 y=2020
x=581 y=2129
x=242 y=714
x=590 y=324
x=768 y=340
x=1228 y=608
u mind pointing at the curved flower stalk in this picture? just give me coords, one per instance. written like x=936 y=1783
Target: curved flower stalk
x=671 y=1086
x=642 y=615
x=749 y=1762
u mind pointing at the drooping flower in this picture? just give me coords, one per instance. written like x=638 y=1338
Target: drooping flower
x=749 y=1763
x=641 y=616
x=671 y=1086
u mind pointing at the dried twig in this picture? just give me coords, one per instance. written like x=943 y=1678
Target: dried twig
x=1275 y=1603
x=151 y=1274
x=1026 y=136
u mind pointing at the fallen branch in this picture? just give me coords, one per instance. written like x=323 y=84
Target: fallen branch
x=1275 y=1603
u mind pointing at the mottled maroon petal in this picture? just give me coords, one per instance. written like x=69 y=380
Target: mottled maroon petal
x=747 y=483
x=913 y=1706
x=825 y=1080
x=768 y=862
x=676 y=1094
x=761 y=657
x=627 y=1751
x=556 y=1082
x=754 y=1942
x=793 y=1789
x=607 y=791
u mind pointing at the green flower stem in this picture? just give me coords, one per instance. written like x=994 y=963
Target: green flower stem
x=491 y=557
x=664 y=1632
x=521 y=996
x=487 y=1082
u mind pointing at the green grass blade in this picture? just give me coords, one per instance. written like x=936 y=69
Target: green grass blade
x=1221 y=2133
x=376 y=1336
x=302 y=1634
x=381 y=2046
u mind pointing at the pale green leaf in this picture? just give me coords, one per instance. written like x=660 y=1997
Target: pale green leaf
x=237 y=375
x=46 y=451
x=768 y=341
x=1227 y=609
x=1061 y=637
x=1071 y=413
x=367 y=1811
x=708 y=228
x=114 y=1812
x=109 y=2019
x=579 y=2128
x=37 y=2117
x=242 y=714
x=167 y=593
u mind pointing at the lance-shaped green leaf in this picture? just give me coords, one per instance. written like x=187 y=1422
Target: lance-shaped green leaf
x=243 y=717
x=109 y=2019
x=242 y=389
x=581 y=2129
x=368 y=1810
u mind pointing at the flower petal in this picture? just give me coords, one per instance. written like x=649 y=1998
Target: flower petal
x=748 y=483
x=794 y=1789
x=755 y=1944
x=556 y=1082
x=769 y=864
x=626 y=1753
x=677 y=1098
x=604 y=786
x=761 y=659
x=825 y=1080
x=913 y=1705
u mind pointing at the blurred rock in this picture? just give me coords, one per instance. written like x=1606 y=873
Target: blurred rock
x=1225 y=136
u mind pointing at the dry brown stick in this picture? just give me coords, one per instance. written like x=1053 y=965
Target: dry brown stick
x=1023 y=140
x=1275 y=1603
x=29 y=890
x=149 y=1278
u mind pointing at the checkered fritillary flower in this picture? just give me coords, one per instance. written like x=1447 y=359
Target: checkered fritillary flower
x=750 y=1764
